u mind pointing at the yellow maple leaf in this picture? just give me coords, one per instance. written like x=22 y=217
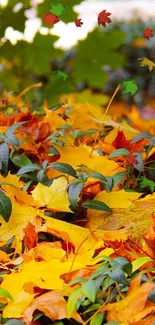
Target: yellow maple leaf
x=17 y=306
x=81 y=155
x=146 y=62
x=14 y=190
x=136 y=218
x=54 y=197
x=20 y=216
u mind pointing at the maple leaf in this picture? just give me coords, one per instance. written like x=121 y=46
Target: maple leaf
x=130 y=87
x=146 y=62
x=52 y=304
x=145 y=182
x=30 y=239
x=103 y=18
x=58 y=9
x=50 y=19
x=131 y=159
x=136 y=296
x=78 y=22
x=60 y=74
x=148 y=33
x=54 y=197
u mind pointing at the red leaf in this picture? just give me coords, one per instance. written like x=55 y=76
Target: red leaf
x=50 y=18
x=148 y=33
x=120 y=141
x=68 y=247
x=31 y=236
x=103 y=18
x=78 y=22
x=131 y=160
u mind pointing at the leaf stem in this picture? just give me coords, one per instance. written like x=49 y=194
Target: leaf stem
x=106 y=111
x=27 y=89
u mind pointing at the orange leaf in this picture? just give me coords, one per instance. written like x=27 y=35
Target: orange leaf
x=52 y=304
x=134 y=307
x=31 y=236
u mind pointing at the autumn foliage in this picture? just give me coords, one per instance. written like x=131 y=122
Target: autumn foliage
x=77 y=232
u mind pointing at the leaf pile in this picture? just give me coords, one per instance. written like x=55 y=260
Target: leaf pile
x=77 y=193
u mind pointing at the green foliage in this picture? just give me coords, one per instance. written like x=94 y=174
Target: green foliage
x=96 y=205
x=69 y=15
x=5 y=293
x=97 y=50
x=15 y=20
x=63 y=168
x=119 y=152
x=145 y=182
x=129 y=87
x=5 y=206
x=58 y=9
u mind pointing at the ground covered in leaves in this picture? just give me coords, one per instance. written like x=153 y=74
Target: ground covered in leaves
x=77 y=205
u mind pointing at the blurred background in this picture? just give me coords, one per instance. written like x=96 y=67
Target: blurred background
x=95 y=58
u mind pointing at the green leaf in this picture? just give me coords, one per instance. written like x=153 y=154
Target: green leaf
x=28 y=168
x=14 y=322
x=89 y=61
x=140 y=262
x=119 y=152
x=29 y=53
x=58 y=9
x=12 y=139
x=69 y=15
x=97 y=319
x=21 y=160
x=4 y=156
x=73 y=193
x=99 y=176
x=72 y=301
x=2 y=305
x=152 y=141
x=118 y=177
x=119 y=276
x=125 y=265
x=145 y=182
x=5 y=293
x=141 y=136
x=63 y=168
x=61 y=75
x=96 y=205
x=151 y=296
x=13 y=127
x=89 y=290
x=140 y=162
x=14 y=20
x=5 y=207
x=26 y=186
x=130 y=87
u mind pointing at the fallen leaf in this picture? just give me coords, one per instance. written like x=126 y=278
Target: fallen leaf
x=53 y=305
x=54 y=197
x=30 y=238
x=136 y=296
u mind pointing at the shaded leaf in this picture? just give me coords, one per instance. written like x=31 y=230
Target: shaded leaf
x=64 y=168
x=5 y=293
x=5 y=206
x=89 y=290
x=95 y=205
